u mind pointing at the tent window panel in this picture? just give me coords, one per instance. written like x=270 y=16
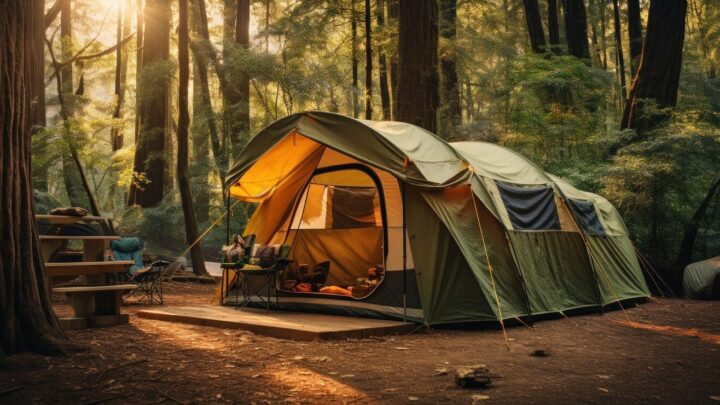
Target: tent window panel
x=352 y=207
x=587 y=216
x=530 y=208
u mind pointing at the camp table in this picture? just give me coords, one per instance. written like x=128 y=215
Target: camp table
x=268 y=279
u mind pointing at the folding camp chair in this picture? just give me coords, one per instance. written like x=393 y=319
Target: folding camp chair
x=147 y=278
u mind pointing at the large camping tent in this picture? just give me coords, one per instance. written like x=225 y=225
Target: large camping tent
x=701 y=280
x=466 y=231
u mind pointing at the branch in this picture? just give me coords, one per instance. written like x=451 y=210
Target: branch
x=53 y=12
x=80 y=57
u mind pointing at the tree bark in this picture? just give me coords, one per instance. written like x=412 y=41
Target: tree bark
x=603 y=31
x=150 y=149
x=27 y=320
x=450 y=113
x=619 y=52
x=202 y=117
x=140 y=33
x=658 y=75
x=597 y=58
x=685 y=256
x=354 y=50
x=123 y=28
x=71 y=177
x=534 y=26
x=239 y=100
x=392 y=6
x=553 y=26
x=368 y=61
x=576 y=28
x=635 y=33
x=183 y=175
x=38 y=118
x=418 y=96
x=383 y=66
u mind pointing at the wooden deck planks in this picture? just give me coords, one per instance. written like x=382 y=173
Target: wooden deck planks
x=280 y=324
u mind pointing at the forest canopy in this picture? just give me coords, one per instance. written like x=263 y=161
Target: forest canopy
x=570 y=84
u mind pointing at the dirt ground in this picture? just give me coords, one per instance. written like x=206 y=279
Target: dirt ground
x=661 y=352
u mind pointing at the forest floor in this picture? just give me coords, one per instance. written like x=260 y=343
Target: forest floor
x=668 y=353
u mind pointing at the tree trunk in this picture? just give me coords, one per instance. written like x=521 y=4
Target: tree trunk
x=597 y=58
x=28 y=322
x=619 y=52
x=450 y=114
x=239 y=126
x=148 y=183
x=123 y=28
x=418 y=96
x=368 y=61
x=140 y=37
x=685 y=256
x=202 y=118
x=603 y=32
x=38 y=119
x=393 y=20
x=658 y=75
x=635 y=33
x=183 y=175
x=534 y=26
x=71 y=177
x=201 y=48
x=553 y=26
x=383 y=66
x=354 y=50
x=576 y=29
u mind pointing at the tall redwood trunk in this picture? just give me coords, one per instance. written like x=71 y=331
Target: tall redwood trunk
x=393 y=20
x=38 y=119
x=553 y=26
x=123 y=28
x=354 y=50
x=635 y=33
x=71 y=176
x=148 y=183
x=27 y=320
x=576 y=28
x=183 y=175
x=450 y=114
x=534 y=26
x=418 y=82
x=368 y=61
x=658 y=75
x=619 y=52
x=202 y=115
x=383 y=66
x=240 y=104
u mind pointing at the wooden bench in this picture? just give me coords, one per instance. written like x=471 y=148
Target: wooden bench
x=86 y=268
x=95 y=306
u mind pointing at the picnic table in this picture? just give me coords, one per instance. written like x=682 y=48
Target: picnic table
x=95 y=302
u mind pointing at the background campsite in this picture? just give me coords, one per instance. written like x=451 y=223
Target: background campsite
x=141 y=111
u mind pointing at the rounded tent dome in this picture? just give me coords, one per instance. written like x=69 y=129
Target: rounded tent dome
x=466 y=231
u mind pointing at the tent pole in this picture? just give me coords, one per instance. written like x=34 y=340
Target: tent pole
x=404 y=252
x=227 y=218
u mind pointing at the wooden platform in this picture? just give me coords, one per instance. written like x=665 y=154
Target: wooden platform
x=279 y=324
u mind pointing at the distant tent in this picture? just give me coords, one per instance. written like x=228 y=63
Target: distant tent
x=466 y=231
x=701 y=280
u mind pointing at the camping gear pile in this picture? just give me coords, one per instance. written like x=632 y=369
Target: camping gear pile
x=465 y=231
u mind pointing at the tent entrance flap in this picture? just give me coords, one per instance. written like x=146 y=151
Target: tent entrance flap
x=338 y=233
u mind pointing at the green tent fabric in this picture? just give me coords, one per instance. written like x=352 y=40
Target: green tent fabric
x=452 y=214
x=701 y=280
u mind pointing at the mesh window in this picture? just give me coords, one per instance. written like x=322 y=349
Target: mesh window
x=530 y=208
